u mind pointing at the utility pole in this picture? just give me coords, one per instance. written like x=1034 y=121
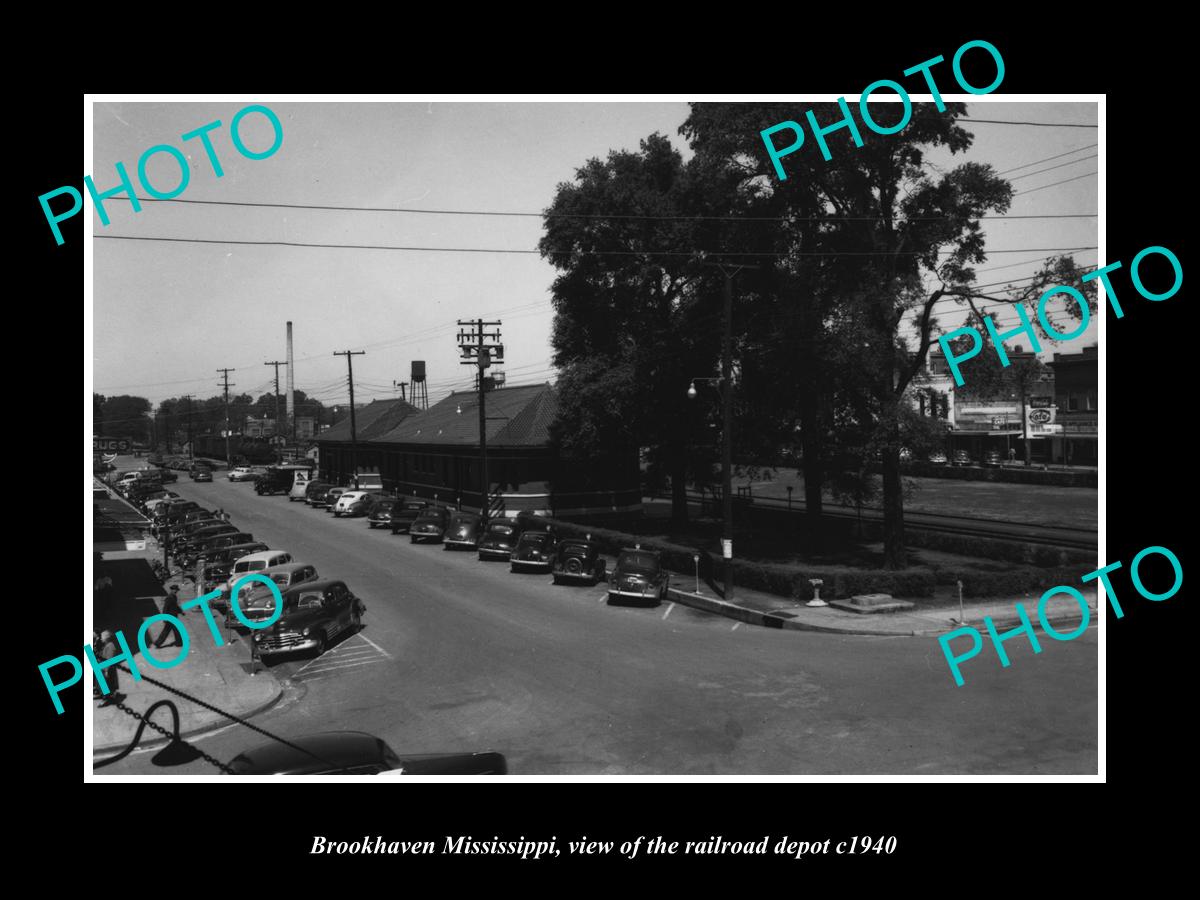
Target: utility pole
x=277 y=363
x=349 y=354
x=729 y=271
x=401 y=385
x=477 y=347
x=191 y=446
x=225 y=373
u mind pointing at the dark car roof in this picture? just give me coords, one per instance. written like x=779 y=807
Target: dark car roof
x=329 y=749
x=318 y=585
x=438 y=511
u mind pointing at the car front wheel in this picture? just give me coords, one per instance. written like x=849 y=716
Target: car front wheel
x=320 y=648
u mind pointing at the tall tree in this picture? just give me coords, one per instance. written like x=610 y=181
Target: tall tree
x=637 y=316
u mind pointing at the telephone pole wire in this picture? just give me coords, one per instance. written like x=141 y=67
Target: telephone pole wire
x=349 y=354
x=275 y=431
x=225 y=375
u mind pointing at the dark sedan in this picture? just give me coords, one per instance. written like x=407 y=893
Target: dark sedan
x=578 y=559
x=639 y=577
x=313 y=615
x=381 y=514
x=499 y=540
x=202 y=475
x=534 y=550
x=357 y=753
x=463 y=531
x=430 y=525
x=405 y=514
x=315 y=490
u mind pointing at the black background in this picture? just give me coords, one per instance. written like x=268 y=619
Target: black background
x=942 y=829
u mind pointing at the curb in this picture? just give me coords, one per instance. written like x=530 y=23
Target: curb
x=203 y=729
x=781 y=619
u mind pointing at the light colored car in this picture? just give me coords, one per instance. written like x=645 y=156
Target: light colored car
x=257 y=600
x=346 y=501
x=157 y=501
x=240 y=473
x=250 y=564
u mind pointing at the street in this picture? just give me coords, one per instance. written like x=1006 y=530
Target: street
x=460 y=655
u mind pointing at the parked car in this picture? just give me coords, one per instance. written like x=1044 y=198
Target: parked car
x=278 y=479
x=638 y=576
x=534 y=550
x=313 y=615
x=579 y=559
x=202 y=475
x=404 y=514
x=499 y=539
x=353 y=503
x=197 y=465
x=155 y=502
x=218 y=563
x=246 y=565
x=430 y=525
x=906 y=454
x=320 y=500
x=256 y=600
x=381 y=512
x=240 y=473
x=313 y=490
x=357 y=753
x=462 y=531
x=300 y=485
x=992 y=458
x=212 y=543
x=938 y=458
x=332 y=495
x=962 y=458
x=198 y=538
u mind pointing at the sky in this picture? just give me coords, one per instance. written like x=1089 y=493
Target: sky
x=167 y=315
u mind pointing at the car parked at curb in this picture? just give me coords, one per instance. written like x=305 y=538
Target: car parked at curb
x=463 y=531
x=579 y=559
x=315 y=489
x=313 y=615
x=404 y=514
x=256 y=600
x=218 y=563
x=202 y=475
x=937 y=457
x=381 y=512
x=534 y=550
x=357 y=753
x=963 y=458
x=499 y=539
x=430 y=525
x=353 y=503
x=639 y=577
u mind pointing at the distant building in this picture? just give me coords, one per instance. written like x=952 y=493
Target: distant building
x=434 y=454
x=306 y=427
x=1076 y=394
x=258 y=427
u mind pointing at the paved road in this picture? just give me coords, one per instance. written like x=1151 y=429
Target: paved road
x=461 y=655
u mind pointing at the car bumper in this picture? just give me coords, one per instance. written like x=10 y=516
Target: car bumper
x=269 y=647
x=494 y=554
x=575 y=576
x=634 y=594
x=455 y=542
x=532 y=563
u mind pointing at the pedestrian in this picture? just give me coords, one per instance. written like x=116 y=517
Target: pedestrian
x=1012 y=454
x=171 y=607
x=105 y=647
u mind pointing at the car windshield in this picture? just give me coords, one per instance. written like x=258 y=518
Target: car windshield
x=500 y=530
x=573 y=547
x=414 y=506
x=638 y=561
x=537 y=538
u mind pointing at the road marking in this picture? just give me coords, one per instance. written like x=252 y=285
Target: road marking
x=668 y=612
x=735 y=627
x=373 y=644
x=327 y=674
x=346 y=666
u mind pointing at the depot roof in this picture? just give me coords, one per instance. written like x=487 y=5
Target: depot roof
x=516 y=417
x=376 y=418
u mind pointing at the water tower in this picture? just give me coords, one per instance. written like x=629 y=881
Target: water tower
x=419 y=397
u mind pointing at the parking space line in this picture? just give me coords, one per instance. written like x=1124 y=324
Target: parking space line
x=669 y=608
x=735 y=626
x=346 y=666
x=373 y=644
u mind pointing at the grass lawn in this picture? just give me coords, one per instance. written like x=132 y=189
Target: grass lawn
x=1037 y=504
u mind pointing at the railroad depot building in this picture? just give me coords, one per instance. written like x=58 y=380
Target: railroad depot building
x=435 y=455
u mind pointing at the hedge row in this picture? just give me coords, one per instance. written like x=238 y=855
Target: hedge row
x=1010 y=474
x=839 y=581
x=772 y=578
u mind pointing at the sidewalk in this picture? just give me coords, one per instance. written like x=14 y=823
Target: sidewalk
x=771 y=611
x=219 y=676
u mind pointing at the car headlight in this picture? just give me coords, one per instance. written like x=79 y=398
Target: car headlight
x=305 y=632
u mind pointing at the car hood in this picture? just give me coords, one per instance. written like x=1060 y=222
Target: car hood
x=487 y=763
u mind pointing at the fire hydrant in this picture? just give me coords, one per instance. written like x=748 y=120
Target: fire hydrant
x=816 y=586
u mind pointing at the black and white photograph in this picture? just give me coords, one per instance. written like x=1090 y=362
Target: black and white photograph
x=609 y=439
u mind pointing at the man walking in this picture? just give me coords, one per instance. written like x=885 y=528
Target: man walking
x=105 y=647
x=171 y=607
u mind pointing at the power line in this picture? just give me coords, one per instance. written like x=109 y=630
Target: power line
x=1053 y=184
x=557 y=215
x=1052 y=168
x=686 y=253
x=1047 y=159
x=1039 y=124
